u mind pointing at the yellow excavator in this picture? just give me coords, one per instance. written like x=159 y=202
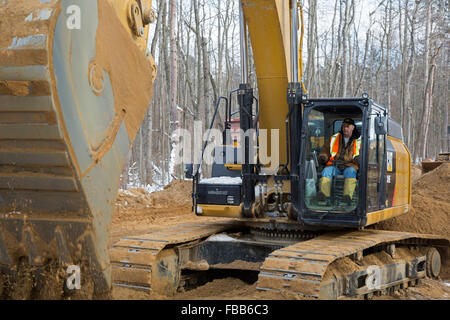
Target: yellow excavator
x=75 y=84
x=278 y=226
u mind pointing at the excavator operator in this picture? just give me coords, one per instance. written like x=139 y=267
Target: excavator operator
x=340 y=155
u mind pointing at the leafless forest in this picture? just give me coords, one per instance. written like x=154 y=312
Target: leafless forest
x=395 y=50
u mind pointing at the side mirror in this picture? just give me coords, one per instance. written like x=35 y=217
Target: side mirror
x=380 y=128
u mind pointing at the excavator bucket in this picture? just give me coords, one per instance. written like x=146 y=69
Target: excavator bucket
x=75 y=85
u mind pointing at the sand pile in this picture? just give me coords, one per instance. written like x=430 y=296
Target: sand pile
x=134 y=198
x=137 y=207
x=139 y=212
x=416 y=172
x=430 y=211
x=175 y=194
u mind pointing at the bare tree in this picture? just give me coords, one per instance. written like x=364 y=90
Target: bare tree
x=398 y=53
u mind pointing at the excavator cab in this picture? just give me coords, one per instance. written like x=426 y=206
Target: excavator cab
x=294 y=194
x=381 y=155
x=323 y=122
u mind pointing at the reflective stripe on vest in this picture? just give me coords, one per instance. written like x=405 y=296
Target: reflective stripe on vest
x=334 y=147
x=356 y=147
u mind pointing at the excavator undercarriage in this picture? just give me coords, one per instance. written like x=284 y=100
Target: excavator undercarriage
x=326 y=265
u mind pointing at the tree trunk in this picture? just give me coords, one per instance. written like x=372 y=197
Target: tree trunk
x=422 y=131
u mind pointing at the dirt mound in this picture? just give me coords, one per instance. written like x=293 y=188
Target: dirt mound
x=175 y=194
x=416 y=172
x=178 y=192
x=138 y=211
x=139 y=208
x=231 y=289
x=430 y=211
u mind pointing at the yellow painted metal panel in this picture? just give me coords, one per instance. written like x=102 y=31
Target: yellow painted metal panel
x=271 y=55
x=122 y=9
x=402 y=193
x=219 y=211
x=234 y=167
x=381 y=215
x=284 y=16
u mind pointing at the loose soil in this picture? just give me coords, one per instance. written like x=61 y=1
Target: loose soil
x=430 y=211
x=139 y=212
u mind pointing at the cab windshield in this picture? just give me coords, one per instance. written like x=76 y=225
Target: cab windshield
x=331 y=167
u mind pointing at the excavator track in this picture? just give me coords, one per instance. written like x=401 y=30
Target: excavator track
x=154 y=262
x=150 y=261
x=64 y=138
x=300 y=268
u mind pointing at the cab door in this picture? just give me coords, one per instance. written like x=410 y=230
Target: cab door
x=376 y=158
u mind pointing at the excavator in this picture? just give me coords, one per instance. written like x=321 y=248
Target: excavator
x=277 y=226
x=75 y=85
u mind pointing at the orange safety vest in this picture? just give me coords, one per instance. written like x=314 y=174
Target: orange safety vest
x=334 y=147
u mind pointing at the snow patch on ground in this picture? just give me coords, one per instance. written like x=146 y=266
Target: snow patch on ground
x=222 y=180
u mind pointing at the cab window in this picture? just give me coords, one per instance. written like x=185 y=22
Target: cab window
x=323 y=122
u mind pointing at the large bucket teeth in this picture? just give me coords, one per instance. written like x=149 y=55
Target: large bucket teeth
x=63 y=143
